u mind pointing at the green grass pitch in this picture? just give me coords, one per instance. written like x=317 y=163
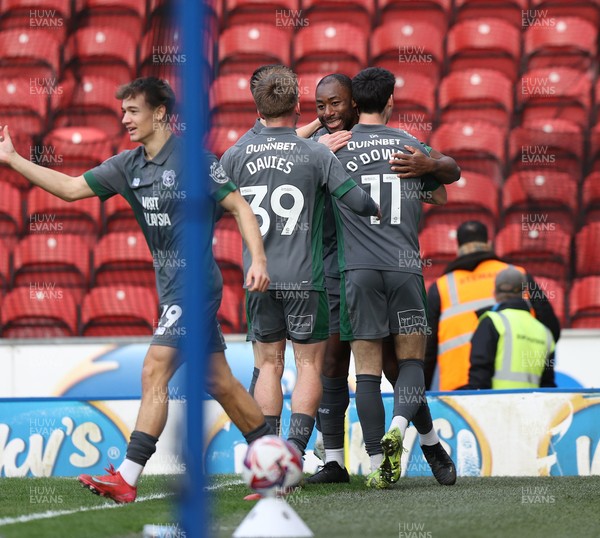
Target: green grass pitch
x=413 y=508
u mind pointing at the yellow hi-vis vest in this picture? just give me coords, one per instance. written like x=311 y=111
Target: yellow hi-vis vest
x=461 y=294
x=524 y=345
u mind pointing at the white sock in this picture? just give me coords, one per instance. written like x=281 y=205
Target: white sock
x=399 y=422
x=376 y=460
x=319 y=439
x=130 y=471
x=335 y=454
x=430 y=438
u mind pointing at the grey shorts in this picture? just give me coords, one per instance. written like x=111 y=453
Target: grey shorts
x=333 y=296
x=301 y=315
x=171 y=330
x=376 y=303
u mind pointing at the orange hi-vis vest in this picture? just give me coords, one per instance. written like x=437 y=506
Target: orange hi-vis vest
x=462 y=293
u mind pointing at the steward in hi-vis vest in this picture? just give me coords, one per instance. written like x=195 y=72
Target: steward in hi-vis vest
x=454 y=299
x=510 y=348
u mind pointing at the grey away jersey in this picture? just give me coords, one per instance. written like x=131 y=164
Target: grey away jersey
x=391 y=244
x=155 y=192
x=284 y=177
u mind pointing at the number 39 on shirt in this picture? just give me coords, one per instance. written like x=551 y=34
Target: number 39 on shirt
x=292 y=215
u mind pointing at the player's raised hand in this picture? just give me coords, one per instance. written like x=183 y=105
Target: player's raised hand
x=413 y=164
x=7 y=150
x=335 y=141
x=258 y=278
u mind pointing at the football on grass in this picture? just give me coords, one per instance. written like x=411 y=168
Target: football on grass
x=272 y=464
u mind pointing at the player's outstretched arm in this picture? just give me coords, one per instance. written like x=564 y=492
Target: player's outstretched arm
x=335 y=141
x=416 y=164
x=257 y=278
x=306 y=131
x=66 y=187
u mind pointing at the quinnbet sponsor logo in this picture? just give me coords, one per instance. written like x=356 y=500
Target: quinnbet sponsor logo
x=55 y=438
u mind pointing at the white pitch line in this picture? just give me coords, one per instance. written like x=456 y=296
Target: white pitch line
x=57 y=513
x=224 y=485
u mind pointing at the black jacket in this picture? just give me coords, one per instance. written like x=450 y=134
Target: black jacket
x=469 y=262
x=483 y=351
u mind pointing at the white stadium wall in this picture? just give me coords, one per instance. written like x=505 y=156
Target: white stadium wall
x=69 y=406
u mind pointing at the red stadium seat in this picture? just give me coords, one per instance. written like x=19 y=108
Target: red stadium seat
x=161 y=54
x=330 y=47
x=584 y=303
x=119 y=311
x=279 y=13
x=89 y=102
x=52 y=16
x=307 y=88
x=357 y=12
x=11 y=210
x=485 y=43
x=47 y=213
x=557 y=93
x=230 y=311
x=231 y=101
x=119 y=216
x=414 y=105
x=436 y=12
x=415 y=47
x=476 y=95
x=227 y=247
x=542 y=249
x=77 y=147
x=590 y=197
x=587 y=253
x=126 y=15
x=438 y=248
x=123 y=258
x=104 y=51
x=513 y=11
x=472 y=197
x=545 y=195
x=220 y=139
x=29 y=53
x=5 y=255
x=555 y=292
x=24 y=104
x=476 y=146
x=547 y=143
x=550 y=10
x=39 y=313
x=244 y=48
x=569 y=42
x=52 y=260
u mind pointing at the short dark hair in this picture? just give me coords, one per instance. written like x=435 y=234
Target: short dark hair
x=372 y=88
x=344 y=80
x=276 y=94
x=260 y=72
x=156 y=92
x=471 y=231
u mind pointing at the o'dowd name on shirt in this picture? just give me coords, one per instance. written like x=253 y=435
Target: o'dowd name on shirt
x=373 y=155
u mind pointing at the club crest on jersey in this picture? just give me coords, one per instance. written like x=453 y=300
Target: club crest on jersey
x=168 y=178
x=136 y=182
x=217 y=173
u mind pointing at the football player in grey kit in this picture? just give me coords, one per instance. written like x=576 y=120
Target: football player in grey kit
x=148 y=177
x=382 y=285
x=285 y=177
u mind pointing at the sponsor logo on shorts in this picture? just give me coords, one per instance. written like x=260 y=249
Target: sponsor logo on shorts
x=300 y=324
x=409 y=320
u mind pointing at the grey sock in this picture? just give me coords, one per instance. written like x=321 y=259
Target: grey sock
x=255 y=373
x=301 y=427
x=141 y=447
x=409 y=392
x=371 y=413
x=261 y=431
x=274 y=421
x=332 y=410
